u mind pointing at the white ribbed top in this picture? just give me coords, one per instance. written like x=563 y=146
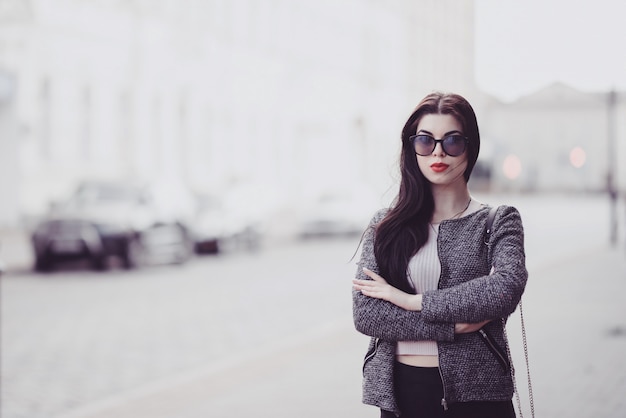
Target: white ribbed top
x=423 y=271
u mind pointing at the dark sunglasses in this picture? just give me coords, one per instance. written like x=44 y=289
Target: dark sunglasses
x=453 y=145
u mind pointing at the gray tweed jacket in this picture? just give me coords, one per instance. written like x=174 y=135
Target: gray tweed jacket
x=471 y=369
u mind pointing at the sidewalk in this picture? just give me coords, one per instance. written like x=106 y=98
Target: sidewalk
x=575 y=319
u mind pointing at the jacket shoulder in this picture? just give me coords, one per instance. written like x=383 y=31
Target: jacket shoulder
x=379 y=215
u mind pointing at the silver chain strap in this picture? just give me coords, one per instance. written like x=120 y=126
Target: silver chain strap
x=488 y=230
x=508 y=352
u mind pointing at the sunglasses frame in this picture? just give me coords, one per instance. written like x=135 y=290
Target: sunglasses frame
x=412 y=138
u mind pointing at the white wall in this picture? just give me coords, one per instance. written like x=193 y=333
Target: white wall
x=297 y=95
x=9 y=168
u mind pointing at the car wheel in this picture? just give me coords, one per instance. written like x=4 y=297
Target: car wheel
x=98 y=262
x=43 y=263
x=207 y=247
x=134 y=252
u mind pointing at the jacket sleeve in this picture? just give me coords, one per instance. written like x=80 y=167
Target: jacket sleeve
x=487 y=297
x=381 y=319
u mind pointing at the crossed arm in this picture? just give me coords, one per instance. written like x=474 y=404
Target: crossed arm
x=378 y=288
x=381 y=310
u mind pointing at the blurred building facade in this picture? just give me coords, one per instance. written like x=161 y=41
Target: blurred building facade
x=557 y=139
x=298 y=95
x=9 y=168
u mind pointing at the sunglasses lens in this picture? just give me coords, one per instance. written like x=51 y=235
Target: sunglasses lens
x=454 y=145
x=424 y=144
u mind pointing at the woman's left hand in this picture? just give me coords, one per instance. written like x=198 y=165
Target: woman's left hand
x=379 y=288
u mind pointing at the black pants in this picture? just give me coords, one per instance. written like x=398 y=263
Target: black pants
x=419 y=392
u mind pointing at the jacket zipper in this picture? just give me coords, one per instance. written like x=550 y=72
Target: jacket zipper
x=494 y=349
x=444 y=403
x=371 y=355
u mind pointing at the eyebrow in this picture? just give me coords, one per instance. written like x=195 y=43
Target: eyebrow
x=444 y=135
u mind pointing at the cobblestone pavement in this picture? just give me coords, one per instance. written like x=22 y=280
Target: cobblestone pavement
x=188 y=342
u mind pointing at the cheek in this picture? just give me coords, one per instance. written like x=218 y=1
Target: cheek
x=457 y=169
x=459 y=165
x=422 y=164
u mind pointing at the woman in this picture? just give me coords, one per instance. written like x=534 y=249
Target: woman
x=427 y=282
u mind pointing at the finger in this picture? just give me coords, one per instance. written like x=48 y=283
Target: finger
x=369 y=285
x=373 y=275
x=372 y=292
x=366 y=288
x=362 y=283
x=358 y=286
x=369 y=293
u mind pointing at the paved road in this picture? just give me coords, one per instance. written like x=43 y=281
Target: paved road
x=73 y=337
x=245 y=334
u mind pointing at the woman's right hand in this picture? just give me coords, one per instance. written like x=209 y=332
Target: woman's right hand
x=463 y=328
x=379 y=288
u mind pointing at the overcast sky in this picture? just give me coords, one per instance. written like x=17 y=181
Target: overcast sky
x=524 y=45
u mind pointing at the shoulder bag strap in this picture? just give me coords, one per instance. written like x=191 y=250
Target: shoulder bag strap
x=489 y=225
x=488 y=230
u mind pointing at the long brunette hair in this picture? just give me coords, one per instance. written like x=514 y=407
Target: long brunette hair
x=404 y=230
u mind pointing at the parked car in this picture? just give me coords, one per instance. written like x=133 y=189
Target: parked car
x=207 y=230
x=218 y=224
x=109 y=219
x=334 y=213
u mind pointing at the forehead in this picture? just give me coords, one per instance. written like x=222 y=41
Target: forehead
x=439 y=124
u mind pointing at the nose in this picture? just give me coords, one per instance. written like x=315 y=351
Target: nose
x=438 y=151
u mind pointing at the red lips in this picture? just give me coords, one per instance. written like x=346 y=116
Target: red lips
x=439 y=167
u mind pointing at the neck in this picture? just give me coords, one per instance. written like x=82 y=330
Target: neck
x=450 y=202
